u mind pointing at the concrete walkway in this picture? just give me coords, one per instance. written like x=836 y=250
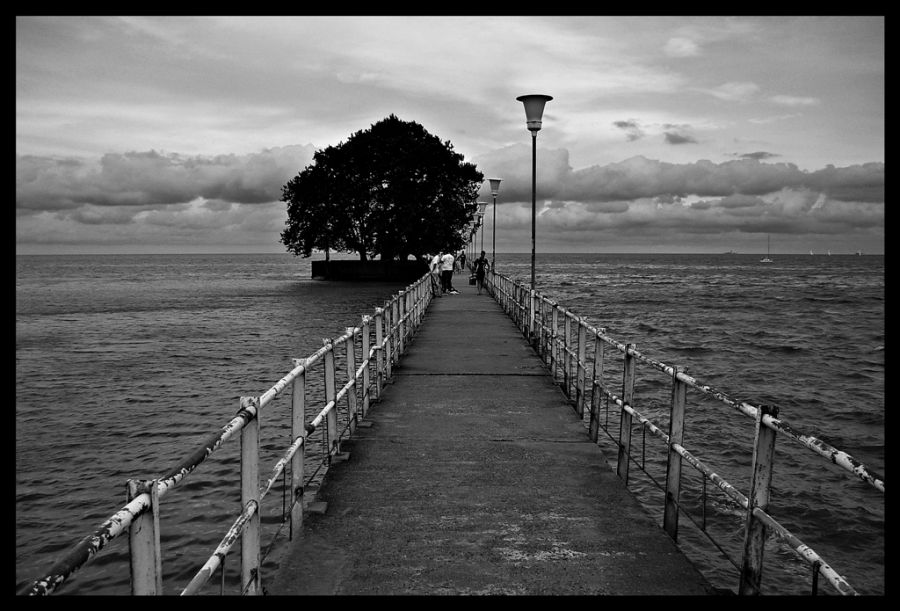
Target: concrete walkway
x=476 y=477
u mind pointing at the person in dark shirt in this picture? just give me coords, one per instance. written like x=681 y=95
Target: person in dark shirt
x=481 y=265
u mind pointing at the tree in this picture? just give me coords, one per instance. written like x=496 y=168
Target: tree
x=393 y=190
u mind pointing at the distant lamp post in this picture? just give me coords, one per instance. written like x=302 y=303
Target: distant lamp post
x=481 y=207
x=495 y=189
x=534 y=109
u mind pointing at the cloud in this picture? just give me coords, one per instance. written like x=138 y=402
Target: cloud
x=148 y=179
x=639 y=177
x=674 y=138
x=758 y=155
x=864 y=182
x=734 y=91
x=151 y=200
x=222 y=202
x=788 y=100
x=765 y=120
x=681 y=47
x=631 y=128
x=645 y=203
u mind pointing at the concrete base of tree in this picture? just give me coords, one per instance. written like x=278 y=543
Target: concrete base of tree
x=358 y=271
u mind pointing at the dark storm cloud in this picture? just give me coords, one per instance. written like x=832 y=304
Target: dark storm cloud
x=631 y=129
x=864 y=183
x=640 y=177
x=176 y=199
x=154 y=179
x=758 y=155
x=675 y=138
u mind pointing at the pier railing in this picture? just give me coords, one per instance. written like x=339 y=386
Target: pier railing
x=380 y=340
x=577 y=354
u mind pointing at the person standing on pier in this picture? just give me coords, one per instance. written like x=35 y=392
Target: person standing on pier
x=437 y=283
x=462 y=260
x=447 y=274
x=481 y=265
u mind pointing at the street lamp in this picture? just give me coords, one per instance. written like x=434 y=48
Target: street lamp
x=481 y=207
x=495 y=189
x=534 y=108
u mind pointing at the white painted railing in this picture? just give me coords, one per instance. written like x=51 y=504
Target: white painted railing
x=394 y=327
x=565 y=353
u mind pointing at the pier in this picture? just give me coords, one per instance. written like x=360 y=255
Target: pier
x=451 y=446
x=474 y=476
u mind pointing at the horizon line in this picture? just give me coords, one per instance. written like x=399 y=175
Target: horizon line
x=344 y=256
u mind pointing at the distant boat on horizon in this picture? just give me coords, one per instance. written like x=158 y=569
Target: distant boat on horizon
x=766 y=259
x=810 y=252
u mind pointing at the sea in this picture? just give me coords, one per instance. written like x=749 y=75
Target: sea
x=126 y=363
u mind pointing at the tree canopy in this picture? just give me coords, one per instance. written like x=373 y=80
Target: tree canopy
x=391 y=191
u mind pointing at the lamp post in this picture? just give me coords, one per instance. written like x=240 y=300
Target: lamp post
x=495 y=189
x=481 y=207
x=534 y=109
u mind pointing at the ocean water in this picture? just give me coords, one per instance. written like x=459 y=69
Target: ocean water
x=124 y=364
x=805 y=333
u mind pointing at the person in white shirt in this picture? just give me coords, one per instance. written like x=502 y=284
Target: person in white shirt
x=447 y=274
x=436 y=280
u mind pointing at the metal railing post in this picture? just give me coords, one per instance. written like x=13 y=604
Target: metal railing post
x=531 y=316
x=625 y=419
x=352 y=395
x=250 y=539
x=760 y=485
x=401 y=322
x=366 y=349
x=143 y=540
x=522 y=314
x=332 y=444
x=542 y=318
x=298 y=429
x=389 y=339
x=580 y=369
x=554 y=333
x=596 y=386
x=379 y=351
x=673 y=467
x=420 y=303
x=410 y=319
x=396 y=324
x=567 y=364
x=417 y=304
x=407 y=317
x=517 y=318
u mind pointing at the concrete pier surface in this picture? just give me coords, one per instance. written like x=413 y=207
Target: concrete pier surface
x=474 y=476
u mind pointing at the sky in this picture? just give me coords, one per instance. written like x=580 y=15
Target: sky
x=665 y=134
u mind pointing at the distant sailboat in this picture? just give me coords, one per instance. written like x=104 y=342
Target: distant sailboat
x=766 y=259
x=810 y=252
x=828 y=252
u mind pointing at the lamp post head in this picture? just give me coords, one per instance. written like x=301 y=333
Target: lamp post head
x=534 y=109
x=481 y=208
x=495 y=186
